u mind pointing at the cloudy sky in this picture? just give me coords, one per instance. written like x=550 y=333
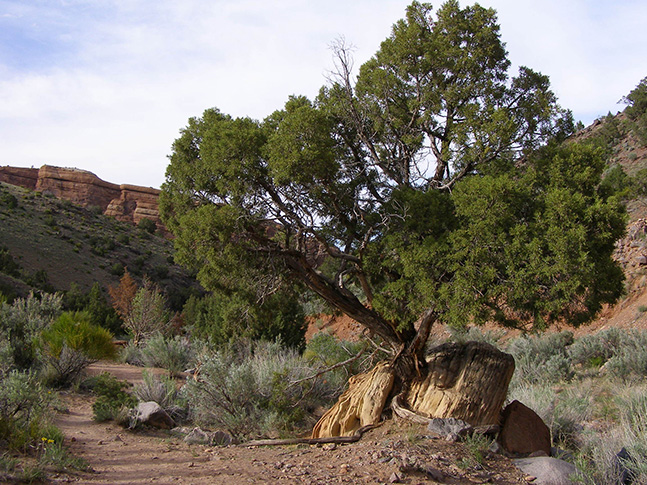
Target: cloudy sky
x=106 y=85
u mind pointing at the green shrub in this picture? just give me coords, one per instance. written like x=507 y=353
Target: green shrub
x=160 y=272
x=56 y=456
x=630 y=359
x=147 y=225
x=24 y=409
x=22 y=321
x=595 y=349
x=472 y=333
x=162 y=390
x=256 y=390
x=8 y=200
x=8 y=265
x=174 y=354
x=112 y=402
x=117 y=269
x=324 y=351
x=221 y=318
x=543 y=359
x=72 y=343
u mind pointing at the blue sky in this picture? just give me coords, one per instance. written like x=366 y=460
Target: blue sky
x=107 y=85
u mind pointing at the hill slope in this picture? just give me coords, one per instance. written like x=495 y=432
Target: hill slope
x=48 y=243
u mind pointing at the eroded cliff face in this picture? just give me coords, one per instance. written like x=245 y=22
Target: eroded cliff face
x=129 y=203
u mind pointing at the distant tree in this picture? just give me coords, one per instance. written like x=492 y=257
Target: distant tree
x=148 y=314
x=122 y=295
x=422 y=182
x=637 y=110
x=147 y=225
x=223 y=318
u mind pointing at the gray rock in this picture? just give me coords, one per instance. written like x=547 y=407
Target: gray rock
x=549 y=471
x=152 y=414
x=448 y=428
x=198 y=437
x=221 y=438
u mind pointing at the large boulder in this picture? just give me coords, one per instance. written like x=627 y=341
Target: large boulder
x=523 y=431
x=152 y=414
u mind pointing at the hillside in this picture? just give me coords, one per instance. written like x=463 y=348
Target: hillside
x=50 y=243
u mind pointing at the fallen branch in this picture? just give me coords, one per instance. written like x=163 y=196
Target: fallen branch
x=314 y=441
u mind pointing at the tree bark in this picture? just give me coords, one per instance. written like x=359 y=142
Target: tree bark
x=464 y=381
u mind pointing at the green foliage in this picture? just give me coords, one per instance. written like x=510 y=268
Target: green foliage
x=57 y=457
x=616 y=182
x=8 y=265
x=251 y=391
x=422 y=183
x=324 y=351
x=542 y=359
x=147 y=315
x=637 y=110
x=40 y=280
x=174 y=354
x=147 y=225
x=164 y=391
x=477 y=446
x=221 y=318
x=8 y=200
x=21 y=323
x=24 y=407
x=533 y=249
x=112 y=400
x=94 y=303
x=70 y=344
x=596 y=349
x=117 y=269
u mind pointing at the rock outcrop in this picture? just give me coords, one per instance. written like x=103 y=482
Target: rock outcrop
x=129 y=203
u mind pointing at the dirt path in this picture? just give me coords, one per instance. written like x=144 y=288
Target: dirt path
x=119 y=456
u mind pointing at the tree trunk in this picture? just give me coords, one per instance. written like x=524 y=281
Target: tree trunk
x=360 y=405
x=465 y=381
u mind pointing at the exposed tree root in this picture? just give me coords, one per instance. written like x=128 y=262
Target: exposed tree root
x=315 y=441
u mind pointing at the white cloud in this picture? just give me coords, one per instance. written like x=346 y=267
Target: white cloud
x=125 y=76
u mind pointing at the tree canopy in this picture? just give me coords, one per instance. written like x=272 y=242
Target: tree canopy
x=430 y=187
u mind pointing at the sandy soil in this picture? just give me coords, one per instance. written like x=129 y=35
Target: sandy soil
x=389 y=452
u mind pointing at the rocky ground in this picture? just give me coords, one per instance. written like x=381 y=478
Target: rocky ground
x=395 y=452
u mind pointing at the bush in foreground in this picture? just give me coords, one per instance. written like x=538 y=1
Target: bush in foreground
x=70 y=344
x=258 y=389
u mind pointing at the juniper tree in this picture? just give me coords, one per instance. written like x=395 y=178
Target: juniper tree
x=429 y=188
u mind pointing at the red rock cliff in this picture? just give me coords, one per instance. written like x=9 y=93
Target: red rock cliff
x=129 y=203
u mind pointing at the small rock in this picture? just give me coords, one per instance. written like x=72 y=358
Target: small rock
x=434 y=474
x=546 y=470
x=329 y=446
x=395 y=478
x=197 y=437
x=448 y=428
x=537 y=453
